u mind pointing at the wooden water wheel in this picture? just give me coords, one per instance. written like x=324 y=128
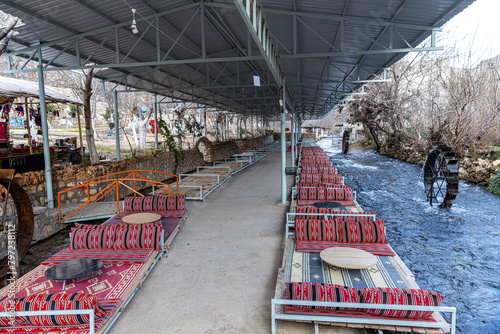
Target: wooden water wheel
x=345 y=141
x=17 y=225
x=441 y=176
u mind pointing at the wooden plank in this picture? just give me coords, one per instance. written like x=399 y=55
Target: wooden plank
x=403 y=329
x=436 y=331
x=405 y=269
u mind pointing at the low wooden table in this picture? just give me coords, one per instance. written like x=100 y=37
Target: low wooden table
x=141 y=218
x=73 y=269
x=347 y=257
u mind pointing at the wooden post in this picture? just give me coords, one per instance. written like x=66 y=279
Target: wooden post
x=80 y=127
x=28 y=119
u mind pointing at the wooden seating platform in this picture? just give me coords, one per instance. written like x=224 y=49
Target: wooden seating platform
x=91 y=211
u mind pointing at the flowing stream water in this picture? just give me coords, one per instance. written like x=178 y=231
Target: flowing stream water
x=455 y=251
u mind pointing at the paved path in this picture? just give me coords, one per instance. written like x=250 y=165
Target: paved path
x=220 y=274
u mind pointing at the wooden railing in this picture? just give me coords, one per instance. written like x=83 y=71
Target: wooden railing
x=111 y=183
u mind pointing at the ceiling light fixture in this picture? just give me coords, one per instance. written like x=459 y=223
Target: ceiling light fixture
x=134 y=24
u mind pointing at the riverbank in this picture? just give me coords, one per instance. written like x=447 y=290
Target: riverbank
x=480 y=170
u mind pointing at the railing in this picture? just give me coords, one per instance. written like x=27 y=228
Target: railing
x=114 y=183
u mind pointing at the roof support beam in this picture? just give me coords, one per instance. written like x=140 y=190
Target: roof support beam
x=253 y=16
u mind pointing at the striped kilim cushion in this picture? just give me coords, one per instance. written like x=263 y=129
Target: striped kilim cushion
x=331 y=178
x=310 y=178
x=309 y=170
x=349 y=216
x=321 y=293
x=155 y=203
x=339 y=194
x=100 y=237
x=60 y=301
x=8 y=305
x=327 y=169
x=356 y=217
x=395 y=296
x=137 y=237
x=311 y=209
x=315 y=230
x=360 y=232
x=149 y=225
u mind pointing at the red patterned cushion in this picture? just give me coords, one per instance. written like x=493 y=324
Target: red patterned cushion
x=155 y=224
x=356 y=216
x=331 y=178
x=393 y=296
x=339 y=194
x=360 y=232
x=8 y=305
x=138 y=237
x=155 y=203
x=315 y=230
x=100 y=237
x=327 y=169
x=60 y=301
x=138 y=204
x=86 y=225
x=321 y=293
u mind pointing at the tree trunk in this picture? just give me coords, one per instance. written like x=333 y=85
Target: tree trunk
x=133 y=124
x=87 y=94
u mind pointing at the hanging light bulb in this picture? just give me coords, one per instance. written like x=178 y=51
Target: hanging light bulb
x=134 y=24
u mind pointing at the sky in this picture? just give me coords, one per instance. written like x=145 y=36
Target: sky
x=475 y=31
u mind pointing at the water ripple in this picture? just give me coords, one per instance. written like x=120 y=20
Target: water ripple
x=453 y=251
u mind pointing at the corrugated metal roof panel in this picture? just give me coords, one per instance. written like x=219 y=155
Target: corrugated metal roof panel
x=225 y=36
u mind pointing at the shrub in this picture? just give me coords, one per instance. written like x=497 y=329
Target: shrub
x=494 y=186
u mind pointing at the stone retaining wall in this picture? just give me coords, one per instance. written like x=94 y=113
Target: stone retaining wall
x=34 y=182
x=73 y=176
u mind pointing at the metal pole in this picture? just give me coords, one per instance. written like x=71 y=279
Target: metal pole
x=246 y=133
x=155 y=126
x=299 y=132
x=292 y=128
x=80 y=129
x=251 y=125
x=117 y=126
x=217 y=126
x=28 y=120
x=45 y=132
x=205 y=121
x=283 y=159
x=283 y=150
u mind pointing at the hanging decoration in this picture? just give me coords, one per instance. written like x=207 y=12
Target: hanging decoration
x=20 y=110
x=6 y=111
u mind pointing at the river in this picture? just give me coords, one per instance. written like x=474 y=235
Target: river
x=455 y=251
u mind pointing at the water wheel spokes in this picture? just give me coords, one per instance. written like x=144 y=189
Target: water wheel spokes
x=17 y=225
x=345 y=141
x=441 y=176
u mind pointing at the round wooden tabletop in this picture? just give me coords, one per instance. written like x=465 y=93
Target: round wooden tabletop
x=347 y=257
x=141 y=218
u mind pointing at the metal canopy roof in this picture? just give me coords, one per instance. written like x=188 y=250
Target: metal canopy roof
x=21 y=88
x=320 y=51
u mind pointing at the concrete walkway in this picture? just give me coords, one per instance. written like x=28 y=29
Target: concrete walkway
x=220 y=274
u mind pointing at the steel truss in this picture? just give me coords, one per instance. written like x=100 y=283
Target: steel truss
x=164 y=72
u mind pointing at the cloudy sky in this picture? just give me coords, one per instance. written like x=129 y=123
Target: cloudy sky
x=475 y=31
